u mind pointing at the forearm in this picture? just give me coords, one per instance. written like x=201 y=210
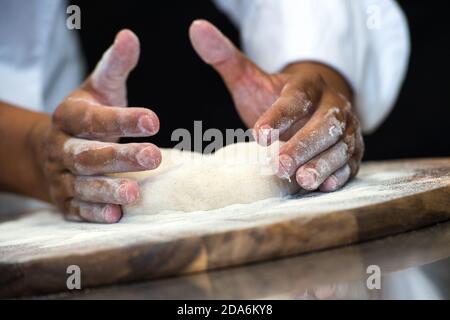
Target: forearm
x=21 y=135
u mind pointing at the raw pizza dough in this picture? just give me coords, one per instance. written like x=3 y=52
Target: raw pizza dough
x=186 y=181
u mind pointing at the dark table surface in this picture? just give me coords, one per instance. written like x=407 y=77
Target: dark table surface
x=413 y=265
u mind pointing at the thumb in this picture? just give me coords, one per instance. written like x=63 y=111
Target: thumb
x=218 y=51
x=108 y=81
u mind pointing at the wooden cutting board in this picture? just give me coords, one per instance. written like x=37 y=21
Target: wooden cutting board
x=386 y=198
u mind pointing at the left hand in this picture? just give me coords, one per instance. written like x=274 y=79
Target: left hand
x=308 y=103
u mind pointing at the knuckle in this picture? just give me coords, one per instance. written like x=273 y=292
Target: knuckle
x=67 y=183
x=350 y=143
x=87 y=123
x=303 y=99
x=51 y=170
x=58 y=114
x=48 y=168
x=335 y=127
x=62 y=185
x=58 y=196
x=52 y=152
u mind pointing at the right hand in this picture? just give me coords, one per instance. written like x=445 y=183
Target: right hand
x=77 y=146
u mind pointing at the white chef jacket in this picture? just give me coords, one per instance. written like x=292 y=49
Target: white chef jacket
x=366 y=40
x=40 y=58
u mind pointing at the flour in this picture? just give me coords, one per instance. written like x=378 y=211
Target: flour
x=45 y=233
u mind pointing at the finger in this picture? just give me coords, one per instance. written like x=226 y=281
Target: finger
x=356 y=147
x=61 y=187
x=312 y=174
x=81 y=118
x=84 y=157
x=355 y=161
x=358 y=153
x=336 y=180
x=324 y=129
x=109 y=77
x=101 y=213
x=106 y=190
x=218 y=51
x=296 y=102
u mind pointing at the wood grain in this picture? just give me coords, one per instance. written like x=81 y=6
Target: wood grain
x=31 y=265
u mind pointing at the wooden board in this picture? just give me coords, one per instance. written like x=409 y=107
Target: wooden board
x=343 y=269
x=385 y=198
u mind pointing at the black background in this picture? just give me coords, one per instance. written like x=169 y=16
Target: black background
x=180 y=88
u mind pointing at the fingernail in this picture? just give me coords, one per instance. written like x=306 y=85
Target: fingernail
x=149 y=157
x=146 y=125
x=127 y=193
x=284 y=167
x=330 y=184
x=111 y=214
x=307 y=178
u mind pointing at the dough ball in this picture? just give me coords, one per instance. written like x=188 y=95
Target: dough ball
x=186 y=181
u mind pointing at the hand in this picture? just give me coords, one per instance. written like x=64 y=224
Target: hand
x=76 y=148
x=308 y=103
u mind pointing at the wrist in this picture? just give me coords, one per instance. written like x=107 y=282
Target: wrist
x=37 y=138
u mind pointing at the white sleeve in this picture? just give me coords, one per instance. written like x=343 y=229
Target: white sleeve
x=367 y=41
